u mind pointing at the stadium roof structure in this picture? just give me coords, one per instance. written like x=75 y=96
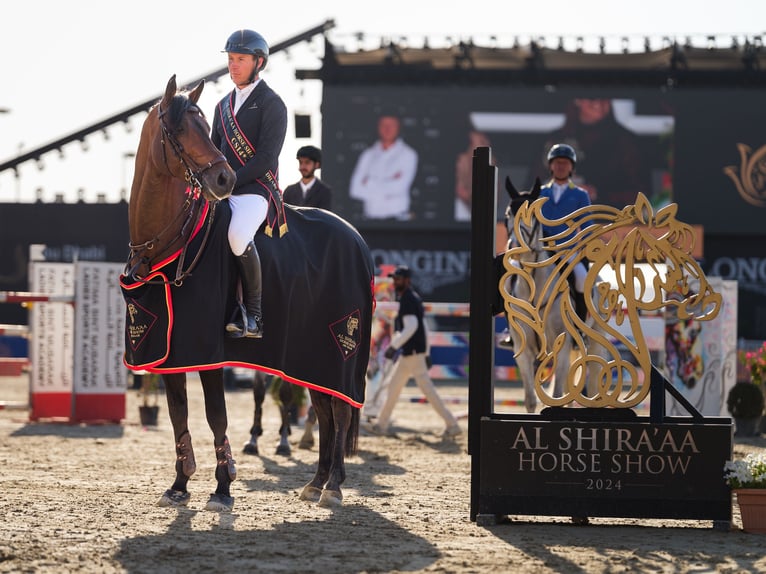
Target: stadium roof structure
x=674 y=65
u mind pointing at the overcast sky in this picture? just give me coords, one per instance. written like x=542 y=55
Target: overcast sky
x=68 y=64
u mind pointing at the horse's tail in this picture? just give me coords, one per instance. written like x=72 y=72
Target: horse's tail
x=352 y=435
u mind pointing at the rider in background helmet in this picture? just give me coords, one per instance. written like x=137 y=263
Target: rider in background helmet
x=565 y=151
x=249 y=127
x=564 y=197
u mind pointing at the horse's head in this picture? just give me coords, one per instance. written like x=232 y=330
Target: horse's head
x=517 y=199
x=186 y=150
x=177 y=168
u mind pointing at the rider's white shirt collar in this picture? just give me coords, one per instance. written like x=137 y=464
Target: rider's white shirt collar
x=558 y=190
x=240 y=95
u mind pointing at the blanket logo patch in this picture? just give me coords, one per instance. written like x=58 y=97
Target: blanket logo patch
x=139 y=324
x=346 y=333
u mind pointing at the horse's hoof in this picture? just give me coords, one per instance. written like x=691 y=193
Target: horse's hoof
x=306 y=443
x=284 y=450
x=250 y=448
x=331 y=499
x=220 y=503
x=311 y=493
x=174 y=498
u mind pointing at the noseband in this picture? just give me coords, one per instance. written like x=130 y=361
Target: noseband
x=192 y=176
x=529 y=234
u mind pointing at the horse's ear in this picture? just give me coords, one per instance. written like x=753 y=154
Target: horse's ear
x=170 y=91
x=535 y=193
x=512 y=192
x=196 y=92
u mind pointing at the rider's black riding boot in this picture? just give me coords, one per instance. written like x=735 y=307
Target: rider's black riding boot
x=249 y=265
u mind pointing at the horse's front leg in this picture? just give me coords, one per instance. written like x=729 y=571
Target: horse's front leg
x=525 y=365
x=323 y=409
x=307 y=440
x=178 y=408
x=259 y=395
x=286 y=399
x=563 y=365
x=215 y=412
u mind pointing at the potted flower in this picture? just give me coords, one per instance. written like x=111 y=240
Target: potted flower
x=148 y=412
x=755 y=362
x=745 y=403
x=747 y=478
x=755 y=365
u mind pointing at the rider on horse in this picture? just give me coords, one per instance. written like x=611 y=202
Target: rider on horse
x=249 y=127
x=564 y=197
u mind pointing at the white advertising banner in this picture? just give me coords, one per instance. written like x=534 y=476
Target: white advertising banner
x=700 y=357
x=99 y=329
x=52 y=329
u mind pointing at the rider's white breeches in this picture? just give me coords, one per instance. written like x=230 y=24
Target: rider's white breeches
x=247 y=215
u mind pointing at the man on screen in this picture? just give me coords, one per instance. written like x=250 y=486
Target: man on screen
x=384 y=174
x=610 y=167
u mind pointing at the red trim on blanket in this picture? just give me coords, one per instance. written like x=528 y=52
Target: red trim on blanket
x=169 y=303
x=269 y=370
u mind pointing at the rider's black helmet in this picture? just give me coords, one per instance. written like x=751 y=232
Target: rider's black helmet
x=248 y=42
x=310 y=152
x=562 y=150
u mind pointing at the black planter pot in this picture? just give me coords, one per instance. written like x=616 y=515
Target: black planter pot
x=149 y=415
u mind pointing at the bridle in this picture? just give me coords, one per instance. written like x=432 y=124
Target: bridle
x=189 y=212
x=192 y=171
x=529 y=234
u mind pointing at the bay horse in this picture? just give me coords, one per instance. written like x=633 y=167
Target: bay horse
x=180 y=287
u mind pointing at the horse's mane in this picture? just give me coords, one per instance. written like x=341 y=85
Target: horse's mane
x=179 y=105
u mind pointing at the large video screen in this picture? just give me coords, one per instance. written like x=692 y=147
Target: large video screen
x=400 y=156
x=403 y=156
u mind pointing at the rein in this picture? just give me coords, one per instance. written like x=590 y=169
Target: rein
x=138 y=256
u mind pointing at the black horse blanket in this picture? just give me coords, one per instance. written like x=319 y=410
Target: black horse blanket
x=317 y=306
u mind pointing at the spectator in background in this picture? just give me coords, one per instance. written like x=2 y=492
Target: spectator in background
x=384 y=173
x=464 y=175
x=410 y=352
x=610 y=166
x=310 y=191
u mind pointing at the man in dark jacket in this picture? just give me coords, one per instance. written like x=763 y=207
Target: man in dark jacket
x=409 y=349
x=310 y=191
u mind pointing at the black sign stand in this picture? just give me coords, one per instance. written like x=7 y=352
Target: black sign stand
x=580 y=462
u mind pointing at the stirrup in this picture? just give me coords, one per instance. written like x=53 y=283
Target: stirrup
x=237 y=327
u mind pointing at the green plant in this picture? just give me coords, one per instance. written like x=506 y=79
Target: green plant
x=749 y=472
x=755 y=361
x=745 y=401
